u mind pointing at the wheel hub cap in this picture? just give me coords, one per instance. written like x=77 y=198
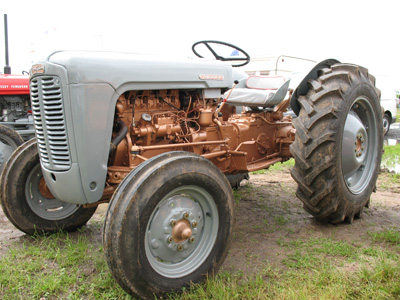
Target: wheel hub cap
x=181 y=231
x=176 y=236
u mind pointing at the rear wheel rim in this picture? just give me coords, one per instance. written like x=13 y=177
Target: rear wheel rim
x=359 y=146
x=49 y=209
x=169 y=257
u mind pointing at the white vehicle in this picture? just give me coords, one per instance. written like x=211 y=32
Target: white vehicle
x=388 y=103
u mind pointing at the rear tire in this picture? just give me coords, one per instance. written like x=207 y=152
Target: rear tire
x=24 y=203
x=9 y=141
x=338 y=144
x=144 y=253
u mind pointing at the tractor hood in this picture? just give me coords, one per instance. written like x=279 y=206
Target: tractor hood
x=121 y=69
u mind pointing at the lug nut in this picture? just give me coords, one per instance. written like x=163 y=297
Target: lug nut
x=191 y=239
x=173 y=223
x=180 y=247
x=194 y=224
x=170 y=239
x=186 y=215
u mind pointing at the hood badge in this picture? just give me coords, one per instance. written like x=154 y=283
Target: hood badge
x=37 y=69
x=211 y=77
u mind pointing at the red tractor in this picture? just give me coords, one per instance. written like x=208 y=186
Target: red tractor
x=16 y=121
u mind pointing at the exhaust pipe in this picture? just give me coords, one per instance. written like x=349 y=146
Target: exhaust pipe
x=7 y=68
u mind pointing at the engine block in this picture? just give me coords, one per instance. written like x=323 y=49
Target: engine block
x=182 y=120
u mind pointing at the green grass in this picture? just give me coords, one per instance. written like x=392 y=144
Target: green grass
x=391 y=156
x=390 y=235
x=59 y=266
x=316 y=269
x=72 y=266
x=277 y=167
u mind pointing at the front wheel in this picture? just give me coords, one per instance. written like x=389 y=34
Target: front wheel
x=9 y=141
x=338 y=144
x=169 y=224
x=386 y=123
x=27 y=202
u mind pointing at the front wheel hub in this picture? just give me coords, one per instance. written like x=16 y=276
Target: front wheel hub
x=181 y=231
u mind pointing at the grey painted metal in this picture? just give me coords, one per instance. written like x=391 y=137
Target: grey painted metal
x=172 y=259
x=125 y=71
x=359 y=145
x=49 y=209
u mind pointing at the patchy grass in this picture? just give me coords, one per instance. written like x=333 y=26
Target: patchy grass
x=312 y=263
x=59 y=266
x=390 y=235
x=391 y=156
x=72 y=266
x=277 y=167
x=316 y=269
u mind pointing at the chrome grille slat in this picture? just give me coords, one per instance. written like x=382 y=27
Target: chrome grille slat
x=49 y=121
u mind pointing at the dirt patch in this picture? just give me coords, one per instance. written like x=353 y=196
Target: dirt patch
x=267 y=214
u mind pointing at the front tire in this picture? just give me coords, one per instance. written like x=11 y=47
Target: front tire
x=146 y=251
x=9 y=141
x=338 y=144
x=386 y=123
x=28 y=204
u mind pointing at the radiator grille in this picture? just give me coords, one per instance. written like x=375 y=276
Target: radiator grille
x=49 y=121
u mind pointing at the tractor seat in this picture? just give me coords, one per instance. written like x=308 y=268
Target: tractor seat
x=260 y=91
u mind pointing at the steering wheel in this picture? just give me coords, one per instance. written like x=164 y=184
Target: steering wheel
x=235 y=52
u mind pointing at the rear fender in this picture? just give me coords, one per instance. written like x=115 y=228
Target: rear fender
x=302 y=88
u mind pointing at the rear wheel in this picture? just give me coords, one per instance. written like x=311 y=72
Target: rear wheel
x=28 y=203
x=338 y=144
x=9 y=141
x=169 y=224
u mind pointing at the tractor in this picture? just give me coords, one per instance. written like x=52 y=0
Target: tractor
x=16 y=122
x=164 y=140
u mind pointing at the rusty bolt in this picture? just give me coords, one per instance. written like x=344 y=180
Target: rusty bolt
x=173 y=223
x=180 y=247
x=191 y=239
x=194 y=224
x=186 y=215
x=170 y=239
